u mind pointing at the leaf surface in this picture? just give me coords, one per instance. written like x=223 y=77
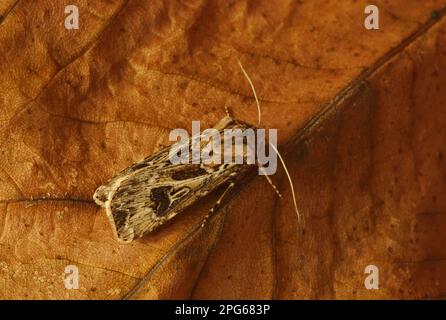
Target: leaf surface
x=360 y=122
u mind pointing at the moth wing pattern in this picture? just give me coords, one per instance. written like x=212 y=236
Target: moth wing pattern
x=152 y=191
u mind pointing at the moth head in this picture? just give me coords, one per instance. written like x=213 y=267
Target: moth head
x=101 y=195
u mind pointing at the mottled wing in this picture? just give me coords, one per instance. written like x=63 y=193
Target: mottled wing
x=152 y=191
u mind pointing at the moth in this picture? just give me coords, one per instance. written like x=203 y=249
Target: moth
x=147 y=194
x=150 y=192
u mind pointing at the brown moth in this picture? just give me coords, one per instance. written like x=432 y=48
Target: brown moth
x=150 y=192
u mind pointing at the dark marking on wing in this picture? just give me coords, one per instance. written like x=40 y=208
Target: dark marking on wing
x=188 y=174
x=120 y=217
x=140 y=165
x=124 y=192
x=160 y=197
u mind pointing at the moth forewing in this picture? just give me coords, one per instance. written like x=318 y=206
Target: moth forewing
x=150 y=192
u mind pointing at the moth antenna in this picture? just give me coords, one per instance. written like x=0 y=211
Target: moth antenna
x=289 y=179
x=274 y=147
x=253 y=90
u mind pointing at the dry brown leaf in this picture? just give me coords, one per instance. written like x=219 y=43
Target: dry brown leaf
x=360 y=120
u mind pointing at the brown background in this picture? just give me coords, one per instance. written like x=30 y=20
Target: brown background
x=361 y=123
